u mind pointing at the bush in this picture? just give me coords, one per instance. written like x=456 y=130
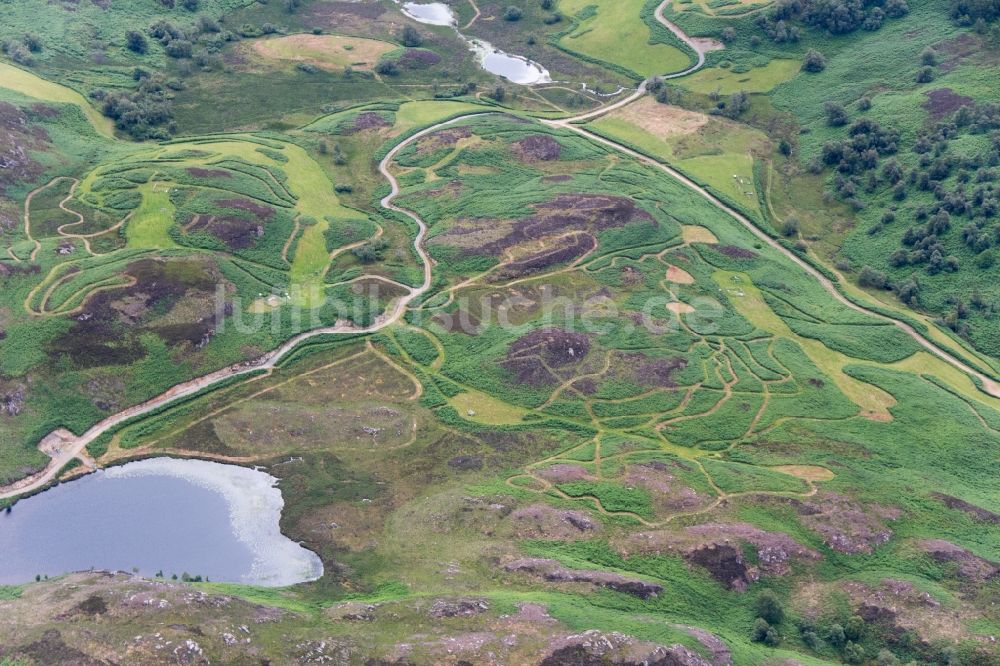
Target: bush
x=928 y=57
x=814 y=62
x=33 y=42
x=387 y=68
x=864 y=104
x=836 y=115
x=179 y=48
x=136 y=42
x=769 y=608
x=410 y=37
x=512 y=14
x=925 y=75
x=790 y=227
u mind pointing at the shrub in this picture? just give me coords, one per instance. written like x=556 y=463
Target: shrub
x=179 y=48
x=790 y=227
x=728 y=35
x=928 y=57
x=814 y=62
x=836 y=115
x=864 y=104
x=769 y=608
x=33 y=42
x=925 y=75
x=387 y=68
x=410 y=37
x=136 y=42
x=512 y=14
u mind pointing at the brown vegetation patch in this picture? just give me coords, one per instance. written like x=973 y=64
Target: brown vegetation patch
x=258 y=209
x=537 y=148
x=419 y=59
x=668 y=494
x=847 y=525
x=235 y=232
x=717 y=547
x=563 y=473
x=578 y=246
x=534 y=356
x=661 y=120
x=17 y=138
x=736 y=252
x=943 y=102
x=369 y=120
x=566 y=212
x=552 y=571
x=108 y=329
x=657 y=372
x=976 y=512
x=968 y=564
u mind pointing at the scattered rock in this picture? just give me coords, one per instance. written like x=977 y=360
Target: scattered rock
x=718 y=547
x=597 y=648
x=552 y=571
x=970 y=566
x=541 y=521
x=458 y=607
x=846 y=525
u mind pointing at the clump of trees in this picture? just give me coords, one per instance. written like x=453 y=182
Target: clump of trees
x=144 y=113
x=967 y=12
x=837 y=17
x=22 y=52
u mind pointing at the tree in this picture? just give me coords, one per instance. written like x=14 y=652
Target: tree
x=387 y=68
x=814 y=62
x=410 y=37
x=738 y=103
x=769 y=607
x=864 y=104
x=853 y=653
x=925 y=75
x=836 y=115
x=854 y=628
x=339 y=158
x=886 y=658
x=190 y=5
x=759 y=630
x=835 y=634
x=512 y=14
x=547 y=5
x=136 y=42
x=728 y=35
x=928 y=57
x=499 y=93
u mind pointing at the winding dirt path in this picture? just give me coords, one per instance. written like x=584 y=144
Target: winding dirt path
x=74 y=446
x=699 y=46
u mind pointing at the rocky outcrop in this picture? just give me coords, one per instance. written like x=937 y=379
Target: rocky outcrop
x=552 y=571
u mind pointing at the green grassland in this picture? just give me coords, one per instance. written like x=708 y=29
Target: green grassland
x=610 y=384
x=602 y=29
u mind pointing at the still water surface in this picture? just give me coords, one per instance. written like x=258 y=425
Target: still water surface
x=209 y=519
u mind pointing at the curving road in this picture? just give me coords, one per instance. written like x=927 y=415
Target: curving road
x=73 y=446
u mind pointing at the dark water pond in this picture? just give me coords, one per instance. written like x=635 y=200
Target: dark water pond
x=175 y=516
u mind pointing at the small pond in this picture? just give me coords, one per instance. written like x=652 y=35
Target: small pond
x=514 y=68
x=176 y=516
